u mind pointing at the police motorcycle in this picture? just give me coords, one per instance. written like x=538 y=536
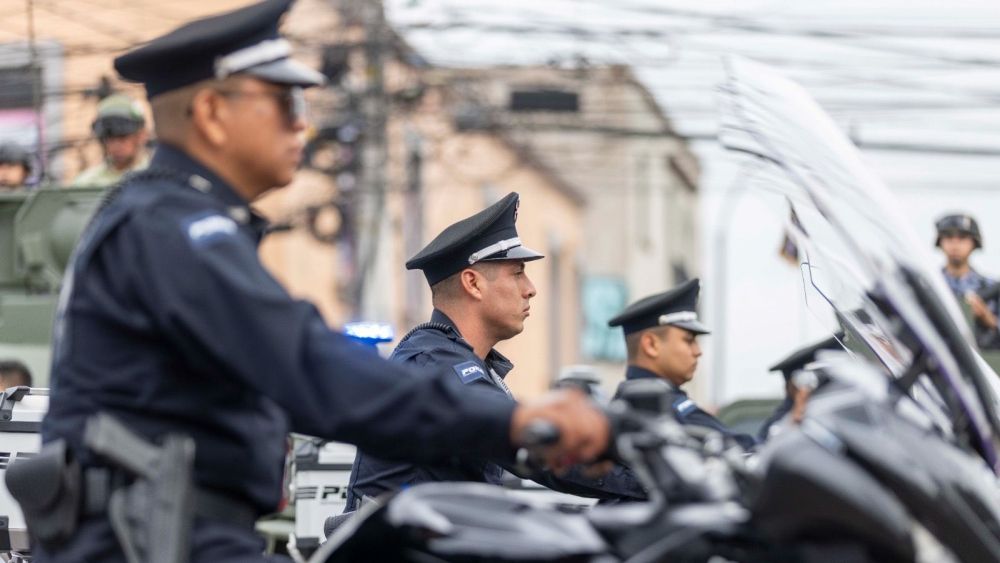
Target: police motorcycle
x=894 y=459
x=319 y=471
x=21 y=412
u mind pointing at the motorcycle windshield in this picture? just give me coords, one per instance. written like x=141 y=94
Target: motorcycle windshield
x=858 y=255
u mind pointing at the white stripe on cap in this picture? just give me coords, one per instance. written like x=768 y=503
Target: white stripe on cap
x=492 y=249
x=249 y=57
x=679 y=317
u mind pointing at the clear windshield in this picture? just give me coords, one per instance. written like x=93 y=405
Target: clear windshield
x=857 y=252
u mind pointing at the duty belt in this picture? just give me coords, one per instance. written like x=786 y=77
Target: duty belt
x=99 y=482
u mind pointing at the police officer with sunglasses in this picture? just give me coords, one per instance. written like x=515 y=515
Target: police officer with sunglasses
x=180 y=364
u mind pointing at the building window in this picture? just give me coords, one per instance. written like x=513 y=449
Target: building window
x=602 y=298
x=544 y=100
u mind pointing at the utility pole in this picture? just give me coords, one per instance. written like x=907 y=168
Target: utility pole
x=35 y=75
x=374 y=160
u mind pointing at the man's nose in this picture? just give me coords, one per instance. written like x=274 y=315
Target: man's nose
x=529 y=289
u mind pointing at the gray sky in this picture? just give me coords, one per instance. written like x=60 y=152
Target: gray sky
x=920 y=78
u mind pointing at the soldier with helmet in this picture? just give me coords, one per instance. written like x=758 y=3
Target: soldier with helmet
x=15 y=166
x=958 y=236
x=120 y=126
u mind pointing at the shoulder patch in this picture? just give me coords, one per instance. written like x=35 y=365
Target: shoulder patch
x=205 y=228
x=684 y=406
x=469 y=371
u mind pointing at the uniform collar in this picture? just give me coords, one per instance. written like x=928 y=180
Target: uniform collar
x=495 y=360
x=636 y=372
x=203 y=179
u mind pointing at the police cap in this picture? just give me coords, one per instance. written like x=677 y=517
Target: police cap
x=489 y=235
x=803 y=356
x=243 y=41
x=958 y=223
x=674 y=308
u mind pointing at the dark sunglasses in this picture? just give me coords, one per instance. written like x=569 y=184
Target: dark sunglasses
x=291 y=101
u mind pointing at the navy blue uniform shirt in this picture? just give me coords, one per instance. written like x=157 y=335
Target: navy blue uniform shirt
x=439 y=345
x=779 y=413
x=169 y=322
x=685 y=410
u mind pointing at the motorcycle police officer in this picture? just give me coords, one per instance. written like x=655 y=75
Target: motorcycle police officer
x=481 y=295
x=661 y=334
x=170 y=331
x=792 y=363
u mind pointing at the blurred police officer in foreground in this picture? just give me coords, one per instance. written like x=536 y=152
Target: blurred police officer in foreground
x=481 y=296
x=958 y=236
x=788 y=366
x=120 y=127
x=15 y=166
x=170 y=326
x=661 y=337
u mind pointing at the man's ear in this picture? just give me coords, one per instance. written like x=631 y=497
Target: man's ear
x=206 y=108
x=649 y=343
x=472 y=282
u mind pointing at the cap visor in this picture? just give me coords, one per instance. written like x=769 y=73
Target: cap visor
x=693 y=326
x=522 y=253
x=286 y=71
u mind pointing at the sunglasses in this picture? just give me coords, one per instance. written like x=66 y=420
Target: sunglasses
x=292 y=101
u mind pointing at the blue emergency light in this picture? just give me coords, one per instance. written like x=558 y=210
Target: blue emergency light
x=369 y=333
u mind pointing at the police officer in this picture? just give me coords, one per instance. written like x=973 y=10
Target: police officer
x=481 y=296
x=169 y=324
x=794 y=362
x=15 y=166
x=661 y=333
x=958 y=236
x=120 y=127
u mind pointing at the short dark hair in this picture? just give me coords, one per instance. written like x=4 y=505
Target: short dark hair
x=14 y=373
x=448 y=288
x=632 y=340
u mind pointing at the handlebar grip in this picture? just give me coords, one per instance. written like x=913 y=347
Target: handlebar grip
x=540 y=433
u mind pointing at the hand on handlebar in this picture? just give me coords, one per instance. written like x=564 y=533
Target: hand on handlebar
x=564 y=428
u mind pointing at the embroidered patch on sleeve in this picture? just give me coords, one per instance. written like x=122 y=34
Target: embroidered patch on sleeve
x=205 y=228
x=684 y=407
x=469 y=371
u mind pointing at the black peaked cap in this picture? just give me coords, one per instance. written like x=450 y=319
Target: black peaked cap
x=190 y=53
x=804 y=356
x=489 y=235
x=677 y=307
